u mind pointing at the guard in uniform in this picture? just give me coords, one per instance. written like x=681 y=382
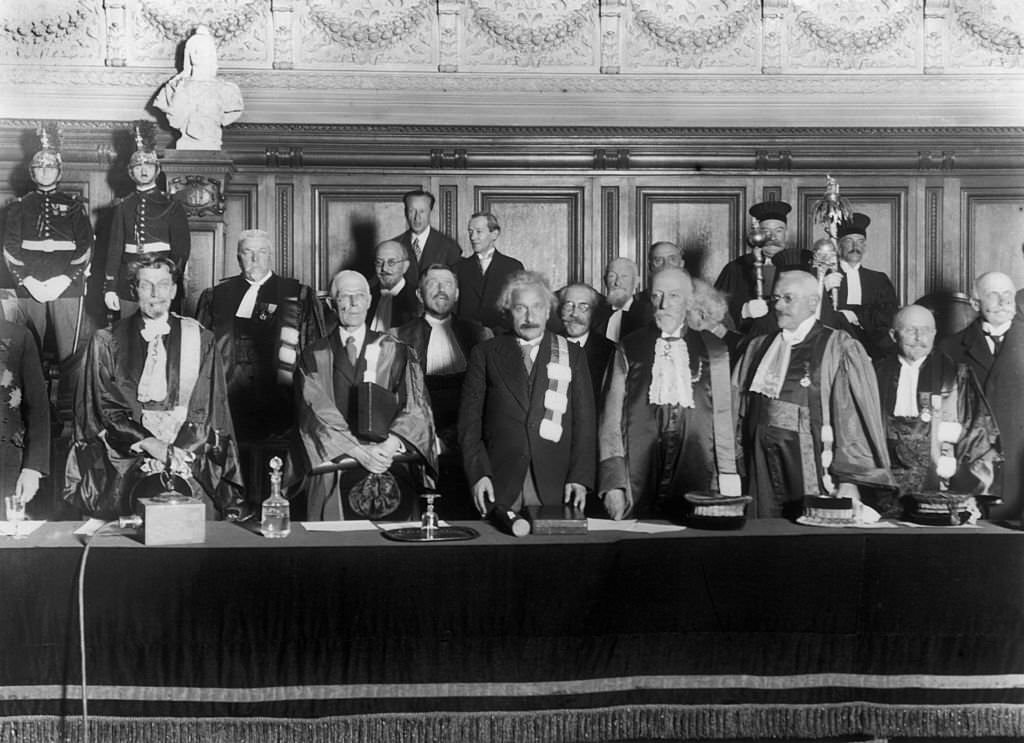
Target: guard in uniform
x=47 y=249
x=147 y=221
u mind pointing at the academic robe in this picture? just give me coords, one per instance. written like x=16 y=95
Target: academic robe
x=500 y=419
x=656 y=453
x=1002 y=380
x=911 y=452
x=150 y=222
x=738 y=279
x=599 y=351
x=259 y=353
x=24 y=408
x=841 y=387
x=639 y=315
x=444 y=390
x=102 y=468
x=325 y=386
x=439 y=249
x=405 y=305
x=875 y=312
x=479 y=292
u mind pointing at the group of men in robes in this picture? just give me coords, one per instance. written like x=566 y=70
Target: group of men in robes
x=633 y=398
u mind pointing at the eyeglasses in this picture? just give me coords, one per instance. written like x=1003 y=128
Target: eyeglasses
x=784 y=298
x=161 y=287
x=573 y=306
x=390 y=262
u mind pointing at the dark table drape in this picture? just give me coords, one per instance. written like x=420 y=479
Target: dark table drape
x=774 y=631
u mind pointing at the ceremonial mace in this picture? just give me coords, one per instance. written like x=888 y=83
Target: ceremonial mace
x=829 y=211
x=757 y=238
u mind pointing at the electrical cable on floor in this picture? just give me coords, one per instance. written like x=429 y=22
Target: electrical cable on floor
x=129 y=521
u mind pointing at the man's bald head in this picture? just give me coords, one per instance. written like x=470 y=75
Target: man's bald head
x=913 y=329
x=994 y=296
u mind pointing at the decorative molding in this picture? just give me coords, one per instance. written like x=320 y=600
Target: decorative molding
x=117 y=55
x=341 y=29
x=282 y=14
x=33 y=30
x=771 y=193
x=933 y=227
x=553 y=35
x=856 y=40
x=611 y=35
x=856 y=35
x=928 y=160
x=609 y=224
x=986 y=34
x=285 y=193
x=773 y=14
x=683 y=39
x=449 y=31
x=225 y=24
x=772 y=160
x=448 y=214
x=377 y=34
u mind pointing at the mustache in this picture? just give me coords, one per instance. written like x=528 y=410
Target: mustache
x=529 y=326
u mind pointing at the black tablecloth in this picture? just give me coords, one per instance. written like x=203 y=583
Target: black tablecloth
x=775 y=631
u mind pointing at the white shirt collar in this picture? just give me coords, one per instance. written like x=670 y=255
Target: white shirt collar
x=629 y=303
x=396 y=289
x=437 y=322
x=421 y=236
x=580 y=340
x=995 y=329
x=677 y=334
x=800 y=331
x=359 y=334
x=485 y=257
x=260 y=282
x=849 y=267
x=535 y=342
x=912 y=364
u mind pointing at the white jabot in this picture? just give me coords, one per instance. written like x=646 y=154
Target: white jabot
x=382 y=315
x=248 y=303
x=580 y=340
x=906 y=388
x=771 y=372
x=153 y=382
x=485 y=260
x=444 y=355
x=614 y=330
x=671 y=382
x=853 y=290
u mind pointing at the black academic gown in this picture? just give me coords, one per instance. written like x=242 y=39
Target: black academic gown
x=1002 y=380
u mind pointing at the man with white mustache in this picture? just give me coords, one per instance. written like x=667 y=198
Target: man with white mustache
x=926 y=398
x=993 y=347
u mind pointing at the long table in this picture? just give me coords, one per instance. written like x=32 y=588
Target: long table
x=775 y=631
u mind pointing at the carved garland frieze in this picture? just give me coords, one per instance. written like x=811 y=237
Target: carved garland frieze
x=58 y=30
x=841 y=38
x=686 y=40
x=530 y=39
x=236 y=19
x=381 y=35
x=988 y=35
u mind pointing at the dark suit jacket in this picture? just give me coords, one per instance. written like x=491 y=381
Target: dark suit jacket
x=25 y=425
x=500 y=417
x=404 y=307
x=439 y=249
x=479 y=293
x=598 y=351
x=877 y=308
x=639 y=315
x=416 y=333
x=1002 y=380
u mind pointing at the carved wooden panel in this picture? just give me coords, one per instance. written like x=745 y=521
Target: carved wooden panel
x=703 y=221
x=542 y=226
x=448 y=210
x=609 y=224
x=206 y=262
x=992 y=232
x=284 y=205
x=886 y=236
x=241 y=212
x=349 y=221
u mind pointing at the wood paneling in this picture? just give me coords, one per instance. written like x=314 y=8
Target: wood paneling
x=703 y=221
x=542 y=226
x=993 y=231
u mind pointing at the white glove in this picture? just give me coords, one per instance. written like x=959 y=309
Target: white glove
x=112 y=301
x=833 y=280
x=754 y=309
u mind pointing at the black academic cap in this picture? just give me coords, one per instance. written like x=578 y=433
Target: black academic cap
x=770 y=210
x=856 y=225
